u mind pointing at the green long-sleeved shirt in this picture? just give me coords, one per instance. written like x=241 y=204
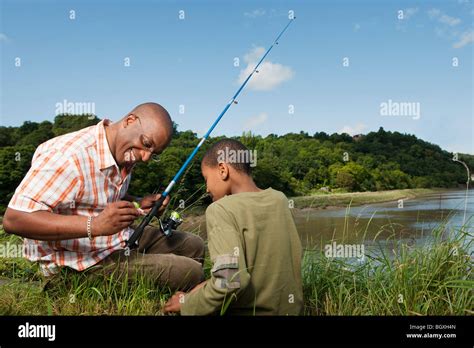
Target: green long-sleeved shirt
x=256 y=254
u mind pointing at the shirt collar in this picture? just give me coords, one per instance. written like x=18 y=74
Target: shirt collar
x=106 y=159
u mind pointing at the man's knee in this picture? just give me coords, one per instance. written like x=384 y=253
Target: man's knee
x=185 y=273
x=193 y=247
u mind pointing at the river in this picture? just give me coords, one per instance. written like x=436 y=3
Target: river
x=411 y=221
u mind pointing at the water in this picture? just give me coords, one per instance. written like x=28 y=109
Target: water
x=386 y=223
x=378 y=225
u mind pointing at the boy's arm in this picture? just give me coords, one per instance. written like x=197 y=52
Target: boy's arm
x=229 y=273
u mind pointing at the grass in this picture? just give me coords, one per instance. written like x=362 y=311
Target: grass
x=434 y=279
x=324 y=200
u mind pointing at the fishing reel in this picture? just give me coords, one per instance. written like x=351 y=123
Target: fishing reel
x=171 y=223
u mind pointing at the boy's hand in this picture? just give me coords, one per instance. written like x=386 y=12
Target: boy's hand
x=174 y=303
x=197 y=287
x=147 y=202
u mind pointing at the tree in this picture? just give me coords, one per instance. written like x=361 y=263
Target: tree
x=295 y=163
x=345 y=180
x=15 y=162
x=65 y=123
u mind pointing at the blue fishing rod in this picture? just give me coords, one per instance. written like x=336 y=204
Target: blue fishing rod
x=175 y=219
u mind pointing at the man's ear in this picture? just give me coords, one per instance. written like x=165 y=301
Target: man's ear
x=223 y=170
x=129 y=120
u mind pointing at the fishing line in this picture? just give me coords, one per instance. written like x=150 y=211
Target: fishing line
x=175 y=219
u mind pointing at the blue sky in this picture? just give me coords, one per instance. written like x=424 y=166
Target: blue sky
x=190 y=62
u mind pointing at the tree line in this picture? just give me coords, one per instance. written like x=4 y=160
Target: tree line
x=295 y=163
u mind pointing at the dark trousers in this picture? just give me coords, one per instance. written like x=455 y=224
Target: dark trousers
x=174 y=262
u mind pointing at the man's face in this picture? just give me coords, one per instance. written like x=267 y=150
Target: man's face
x=217 y=180
x=138 y=140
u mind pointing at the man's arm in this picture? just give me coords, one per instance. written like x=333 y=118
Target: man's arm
x=52 y=180
x=45 y=225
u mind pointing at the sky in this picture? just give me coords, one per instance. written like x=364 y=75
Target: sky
x=342 y=66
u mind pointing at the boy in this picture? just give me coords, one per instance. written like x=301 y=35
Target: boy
x=252 y=240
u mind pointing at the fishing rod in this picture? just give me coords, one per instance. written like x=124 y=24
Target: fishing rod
x=175 y=219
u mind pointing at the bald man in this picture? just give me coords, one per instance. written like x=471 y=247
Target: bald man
x=73 y=209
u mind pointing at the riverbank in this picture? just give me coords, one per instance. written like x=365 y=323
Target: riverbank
x=328 y=200
x=430 y=280
x=195 y=221
x=342 y=200
x=407 y=279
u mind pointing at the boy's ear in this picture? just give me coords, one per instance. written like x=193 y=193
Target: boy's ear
x=223 y=170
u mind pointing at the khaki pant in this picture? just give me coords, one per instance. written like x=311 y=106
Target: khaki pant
x=174 y=262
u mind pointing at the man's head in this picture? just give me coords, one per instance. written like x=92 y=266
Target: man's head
x=144 y=131
x=225 y=165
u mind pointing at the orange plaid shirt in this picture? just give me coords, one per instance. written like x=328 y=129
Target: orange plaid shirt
x=73 y=174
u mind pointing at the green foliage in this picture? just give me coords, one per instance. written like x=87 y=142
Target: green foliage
x=15 y=162
x=66 y=123
x=295 y=163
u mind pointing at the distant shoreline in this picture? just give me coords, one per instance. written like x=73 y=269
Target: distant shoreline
x=195 y=219
x=341 y=200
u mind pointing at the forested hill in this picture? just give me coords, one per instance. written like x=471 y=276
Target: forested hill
x=294 y=163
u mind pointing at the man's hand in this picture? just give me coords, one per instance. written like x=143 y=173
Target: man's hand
x=114 y=218
x=147 y=203
x=174 y=303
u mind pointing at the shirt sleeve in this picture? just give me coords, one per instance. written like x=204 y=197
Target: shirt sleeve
x=52 y=180
x=229 y=274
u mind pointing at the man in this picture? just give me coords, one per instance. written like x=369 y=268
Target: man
x=253 y=244
x=73 y=209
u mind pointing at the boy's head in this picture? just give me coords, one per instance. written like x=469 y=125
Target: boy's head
x=225 y=165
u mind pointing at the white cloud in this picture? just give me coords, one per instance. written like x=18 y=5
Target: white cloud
x=255 y=13
x=356 y=27
x=447 y=29
x=452 y=21
x=255 y=121
x=465 y=39
x=357 y=129
x=436 y=14
x=409 y=12
x=254 y=55
x=270 y=74
x=4 y=37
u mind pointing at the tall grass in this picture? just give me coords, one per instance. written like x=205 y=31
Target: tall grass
x=434 y=279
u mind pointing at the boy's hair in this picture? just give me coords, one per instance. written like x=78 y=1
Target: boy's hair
x=239 y=157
